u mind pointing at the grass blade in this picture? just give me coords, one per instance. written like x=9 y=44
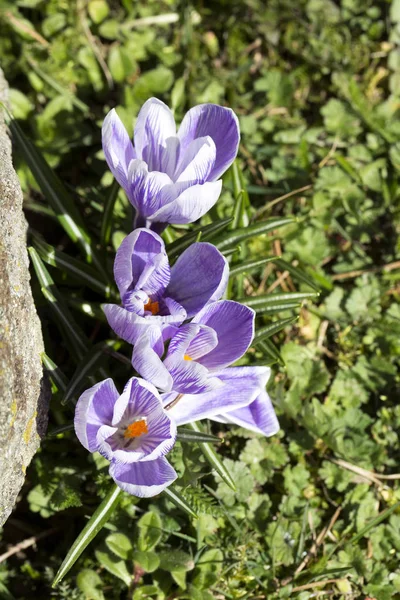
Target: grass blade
x=77 y=269
x=61 y=312
x=279 y=300
x=179 y=501
x=101 y=515
x=244 y=233
x=85 y=368
x=213 y=459
x=374 y=522
x=297 y=273
x=106 y=223
x=250 y=265
x=56 y=194
x=54 y=372
x=270 y=330
x=208 y=233
x=271 y=350
x=188 y=435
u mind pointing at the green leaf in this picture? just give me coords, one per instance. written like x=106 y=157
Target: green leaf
x=297 y=273
x=98 y=10
x=213 y=459
x=250 y=265
x=374 y=522
x=106 y=223
x=54 y=372
x=208 y=233
x=179 y=501
x=270 y=330
x=90 y=583
x=150 y=531
x=77 y=269
x=86 y=367
x=271 y=350
x=59 y=308
x=188 y=435
x=101 y=515
x=149 y=561
x=120 y=544
x=56 y=194
x=259 y=303
x=175 y=560
x=114 y=565
x=239 y=235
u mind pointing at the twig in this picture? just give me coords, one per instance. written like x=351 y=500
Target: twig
x=279 y=199
x=26 y=544
x=330 y=153
x=315 y=584
x=23 y=27
x=278 y=282
x=370 y=475
x=93 y=42
x=351 y=274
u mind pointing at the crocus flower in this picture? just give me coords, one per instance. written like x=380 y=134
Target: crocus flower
x=217 y=336
x=170 y=176
x=153 y=294
x=132 y=431
x=240 y=400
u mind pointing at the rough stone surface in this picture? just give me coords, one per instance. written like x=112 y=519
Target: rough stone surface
x=24 y=394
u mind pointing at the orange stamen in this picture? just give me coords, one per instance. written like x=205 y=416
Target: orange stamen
x=153 y=307
x=136 y=429
x=187 y=357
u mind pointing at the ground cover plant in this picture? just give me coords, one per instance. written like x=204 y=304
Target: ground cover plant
x=315 y=85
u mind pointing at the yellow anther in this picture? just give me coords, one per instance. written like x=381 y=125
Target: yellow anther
x=136 y=429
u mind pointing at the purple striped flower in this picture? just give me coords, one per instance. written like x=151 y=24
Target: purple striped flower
x=217 y=336
x=135 y=430
x=240 y=400
x=131 y=430
x=153 y=294
x=170 y=176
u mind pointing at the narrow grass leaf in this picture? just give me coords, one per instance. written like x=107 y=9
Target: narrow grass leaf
x=88 y=366
x=179 y=501
x=374 y=522
x=101 y=515
x=56 y=194
x=54 y=372
x=244 y=233
x=213 y=459
x=297 y=273
x=188 y=435
x=106 y=223
x=209 y=232
x=270 y=330
x=271 y=350
x=250 y=265
x=76 y=268
x=277 y=299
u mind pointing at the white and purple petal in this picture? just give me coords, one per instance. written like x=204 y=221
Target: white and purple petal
x=94 y=409
x=186 y=206
x=118 y=148
x=221 y=124
x=148 y=363
x=241 y=386
x=155 y=136
x=259 y=416
x=234 y=325
x=143 y=479
x=144 y=187
x=197 y=161
x=141 y=262
x=199 y=276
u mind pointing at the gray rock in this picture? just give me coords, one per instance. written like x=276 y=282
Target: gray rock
x=24 y=394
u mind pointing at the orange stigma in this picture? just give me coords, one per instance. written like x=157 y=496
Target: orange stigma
x=153 y=307
x=136 y=429
x=187 y=357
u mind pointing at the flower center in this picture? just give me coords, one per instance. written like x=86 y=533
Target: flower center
x=136 y=429
x=152 y=307
x=187 y=357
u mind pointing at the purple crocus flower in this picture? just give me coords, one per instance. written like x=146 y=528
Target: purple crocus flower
x=170 y=176
x=153 y=294
x=131 y=430
x=217 y=336
x=241 y=400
